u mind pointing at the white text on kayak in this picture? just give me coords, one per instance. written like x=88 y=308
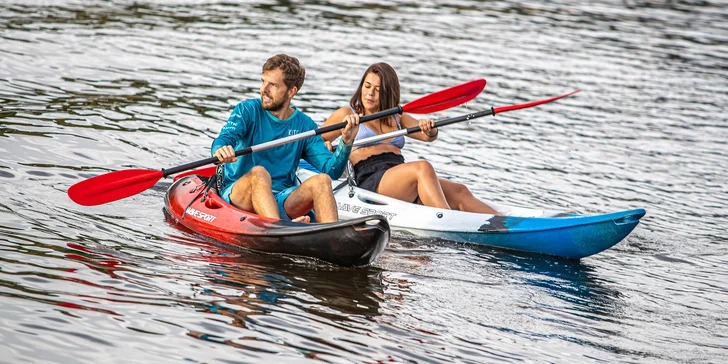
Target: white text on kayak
x=364 y=211
x=201 y=215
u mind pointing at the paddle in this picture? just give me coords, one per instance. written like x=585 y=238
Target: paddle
x=114 y=186
x=208 y=172
x=458 y=119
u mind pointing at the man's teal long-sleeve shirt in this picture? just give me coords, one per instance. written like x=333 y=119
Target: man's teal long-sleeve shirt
x=249 y=124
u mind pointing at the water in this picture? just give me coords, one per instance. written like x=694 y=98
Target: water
x=93 y=86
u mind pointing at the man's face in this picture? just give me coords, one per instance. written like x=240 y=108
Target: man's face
x=273 y=91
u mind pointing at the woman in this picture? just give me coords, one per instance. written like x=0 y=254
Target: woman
x=379 y=166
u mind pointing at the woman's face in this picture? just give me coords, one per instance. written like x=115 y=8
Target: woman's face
x=370 y=93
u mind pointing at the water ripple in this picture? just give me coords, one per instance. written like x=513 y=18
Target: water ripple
x=92 y=86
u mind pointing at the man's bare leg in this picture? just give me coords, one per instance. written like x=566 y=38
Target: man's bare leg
x=314 y=193
x=253 y=192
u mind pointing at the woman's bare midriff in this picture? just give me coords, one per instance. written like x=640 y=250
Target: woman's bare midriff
x=364 y=153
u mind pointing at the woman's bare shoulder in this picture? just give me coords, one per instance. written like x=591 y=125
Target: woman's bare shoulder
x=343 y=111
x=339 y=115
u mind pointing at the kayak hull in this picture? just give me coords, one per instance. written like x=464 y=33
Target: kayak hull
x=575 y=242
x=529 y=230
x=356 y=242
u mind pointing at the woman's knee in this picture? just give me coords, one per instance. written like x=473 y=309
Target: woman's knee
x=424 y=169
x=461 y=190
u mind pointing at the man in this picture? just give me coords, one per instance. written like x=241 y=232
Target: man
x=265 y=182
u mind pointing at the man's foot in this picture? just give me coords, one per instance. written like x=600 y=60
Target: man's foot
x=304 y=219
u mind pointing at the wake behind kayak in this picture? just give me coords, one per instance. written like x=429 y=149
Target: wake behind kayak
x=355 y=242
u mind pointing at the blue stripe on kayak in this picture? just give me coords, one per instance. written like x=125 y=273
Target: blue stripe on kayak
x=514 y=224
x=568 y=237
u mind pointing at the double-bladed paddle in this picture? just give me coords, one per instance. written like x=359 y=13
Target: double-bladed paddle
x=207 y=172
x=457 y=119
x=117 y=185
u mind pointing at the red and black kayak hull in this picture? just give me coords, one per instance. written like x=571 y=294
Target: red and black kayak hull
x=356 y=242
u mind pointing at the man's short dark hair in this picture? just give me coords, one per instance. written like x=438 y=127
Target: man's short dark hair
x=293 y=72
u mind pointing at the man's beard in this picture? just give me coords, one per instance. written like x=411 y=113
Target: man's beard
x=274 y=106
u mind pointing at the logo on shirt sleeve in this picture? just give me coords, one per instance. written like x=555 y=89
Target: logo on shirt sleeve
x=230 y=125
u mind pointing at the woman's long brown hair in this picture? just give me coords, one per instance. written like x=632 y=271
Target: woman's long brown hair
x=388 y=89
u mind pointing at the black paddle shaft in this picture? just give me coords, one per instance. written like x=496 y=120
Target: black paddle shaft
x=454 y=120
x=363 y=119
x=277 y=142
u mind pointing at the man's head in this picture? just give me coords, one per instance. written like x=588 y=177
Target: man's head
x=282 y=77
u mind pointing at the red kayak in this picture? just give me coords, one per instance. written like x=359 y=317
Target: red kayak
x=356 y=242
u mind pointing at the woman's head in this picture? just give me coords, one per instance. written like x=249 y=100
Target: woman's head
x=378 y=90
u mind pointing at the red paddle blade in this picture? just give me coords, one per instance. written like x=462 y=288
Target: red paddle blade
x=530 y=104
x=202 y=172
x=446 y=98
x=113 y=186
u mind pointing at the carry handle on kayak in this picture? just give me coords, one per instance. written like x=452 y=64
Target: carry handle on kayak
x=117 y=185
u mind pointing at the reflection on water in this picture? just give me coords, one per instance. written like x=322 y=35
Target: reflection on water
x=574 y=283
x=269 y=279
x=92 y=86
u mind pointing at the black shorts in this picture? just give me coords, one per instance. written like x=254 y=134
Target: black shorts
x=369 y=172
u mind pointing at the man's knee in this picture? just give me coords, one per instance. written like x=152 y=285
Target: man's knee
x=317 y=185
x=321 y=180
x=259 y=174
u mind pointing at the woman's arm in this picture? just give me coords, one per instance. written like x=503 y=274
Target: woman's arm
x=427 y=134
x=335 y=118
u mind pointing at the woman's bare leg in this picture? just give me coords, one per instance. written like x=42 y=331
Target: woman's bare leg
x=459 y=197
x=406 y=181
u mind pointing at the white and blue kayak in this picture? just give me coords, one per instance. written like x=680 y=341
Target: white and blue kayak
x=528 y=230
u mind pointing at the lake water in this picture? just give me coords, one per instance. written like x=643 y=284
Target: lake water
x=88 y=87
